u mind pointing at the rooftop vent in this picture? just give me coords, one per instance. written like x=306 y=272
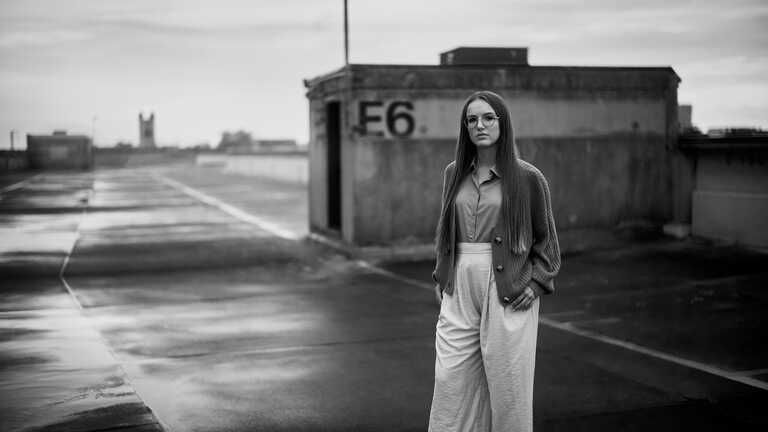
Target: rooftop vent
x=485 y=56
x=59 y=132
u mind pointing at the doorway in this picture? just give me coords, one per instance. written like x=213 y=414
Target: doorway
x=333 y=133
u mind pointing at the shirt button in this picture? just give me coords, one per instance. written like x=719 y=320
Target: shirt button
x=499 y=268
x=497 y=240
x=506 y=299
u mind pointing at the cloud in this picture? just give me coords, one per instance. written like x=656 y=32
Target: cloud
x=165 y=27
x=42 y=38
x=212 y=18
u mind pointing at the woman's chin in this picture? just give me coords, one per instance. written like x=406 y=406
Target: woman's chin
x=484 y=142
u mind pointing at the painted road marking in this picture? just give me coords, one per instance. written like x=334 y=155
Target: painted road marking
x=700 y=284
x=566 y=327
x=18 y=185
x=752 y=372
x=231 y=210
x=69 y=254
x=606 y=320
x=567 y=313
x=374 y=269
x=654 y=353
x=79 y=305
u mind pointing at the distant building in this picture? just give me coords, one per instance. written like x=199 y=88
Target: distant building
x=684 y=117
x=59 y=151
x=202 y=146
x=235 y=142
x=147 y=131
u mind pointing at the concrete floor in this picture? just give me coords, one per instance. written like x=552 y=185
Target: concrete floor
x=185 y=316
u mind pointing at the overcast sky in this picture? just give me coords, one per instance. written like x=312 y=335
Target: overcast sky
x=208 y=66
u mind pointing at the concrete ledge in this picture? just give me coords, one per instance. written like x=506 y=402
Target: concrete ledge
x=377 y=254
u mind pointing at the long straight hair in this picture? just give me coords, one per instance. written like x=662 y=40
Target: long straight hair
x=514 y=205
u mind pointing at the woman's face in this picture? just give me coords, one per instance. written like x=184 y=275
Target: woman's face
x=482 y=123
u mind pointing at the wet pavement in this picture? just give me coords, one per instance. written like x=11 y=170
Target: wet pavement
x=186 y=315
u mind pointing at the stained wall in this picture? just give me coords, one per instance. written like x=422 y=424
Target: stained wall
x=602 y=136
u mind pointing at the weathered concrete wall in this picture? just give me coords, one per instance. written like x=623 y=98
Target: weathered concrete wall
x=730 y=201
x=397 y=189
x=598 y=180
x=211 y=159
x=603 y=181
x=600 y=135
x=291 y=168
x=118 y=158
x=595 y=182
x=436 y=116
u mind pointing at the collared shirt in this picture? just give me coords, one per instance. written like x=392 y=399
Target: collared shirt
x=478 y=203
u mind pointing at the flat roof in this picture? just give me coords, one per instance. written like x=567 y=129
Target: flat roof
x=366 y=67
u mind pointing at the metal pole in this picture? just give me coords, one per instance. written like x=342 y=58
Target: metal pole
x=93 y=130
x=12 y=132
x=346 y=35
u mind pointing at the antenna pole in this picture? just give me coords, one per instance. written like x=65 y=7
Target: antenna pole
x=346 y=35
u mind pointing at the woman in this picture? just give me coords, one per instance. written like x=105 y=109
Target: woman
x=497 y=252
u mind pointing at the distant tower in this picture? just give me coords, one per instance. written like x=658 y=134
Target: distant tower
x=147 y=131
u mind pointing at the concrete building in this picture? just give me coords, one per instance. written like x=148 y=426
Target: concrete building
x=59 y=151
x=684 y=118
x=729 y=200
x=380 y=135
x=147 y=131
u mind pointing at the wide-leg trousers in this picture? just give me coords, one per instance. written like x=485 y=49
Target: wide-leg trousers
x=485 y=353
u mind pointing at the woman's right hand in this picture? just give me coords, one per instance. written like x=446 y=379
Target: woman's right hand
x=438 y=294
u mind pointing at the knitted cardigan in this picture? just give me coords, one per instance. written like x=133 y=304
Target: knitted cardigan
x=513 y=271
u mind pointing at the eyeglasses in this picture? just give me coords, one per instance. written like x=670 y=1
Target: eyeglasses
x=487 y=119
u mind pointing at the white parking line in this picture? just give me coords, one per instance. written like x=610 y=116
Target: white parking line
x=66 y=261
x=752 y=372
x=230 y=209
x=654 y=353
x=566 y=327
x=374 y=269
x=741 y=377
x=18 y=185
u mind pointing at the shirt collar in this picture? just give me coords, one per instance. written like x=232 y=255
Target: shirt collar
x=494 y=172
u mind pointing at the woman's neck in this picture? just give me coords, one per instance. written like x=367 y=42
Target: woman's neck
x=486 y=156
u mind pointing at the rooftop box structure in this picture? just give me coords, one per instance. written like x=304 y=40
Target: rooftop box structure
x=59 y=151
x=485 y=56
x=380 y=136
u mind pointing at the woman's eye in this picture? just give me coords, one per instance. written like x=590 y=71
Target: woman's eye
x=489 y=117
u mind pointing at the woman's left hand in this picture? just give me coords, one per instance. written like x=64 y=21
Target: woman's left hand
x=524 y=300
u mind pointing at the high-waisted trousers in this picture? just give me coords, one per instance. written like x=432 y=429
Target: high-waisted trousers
x=485 y=353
